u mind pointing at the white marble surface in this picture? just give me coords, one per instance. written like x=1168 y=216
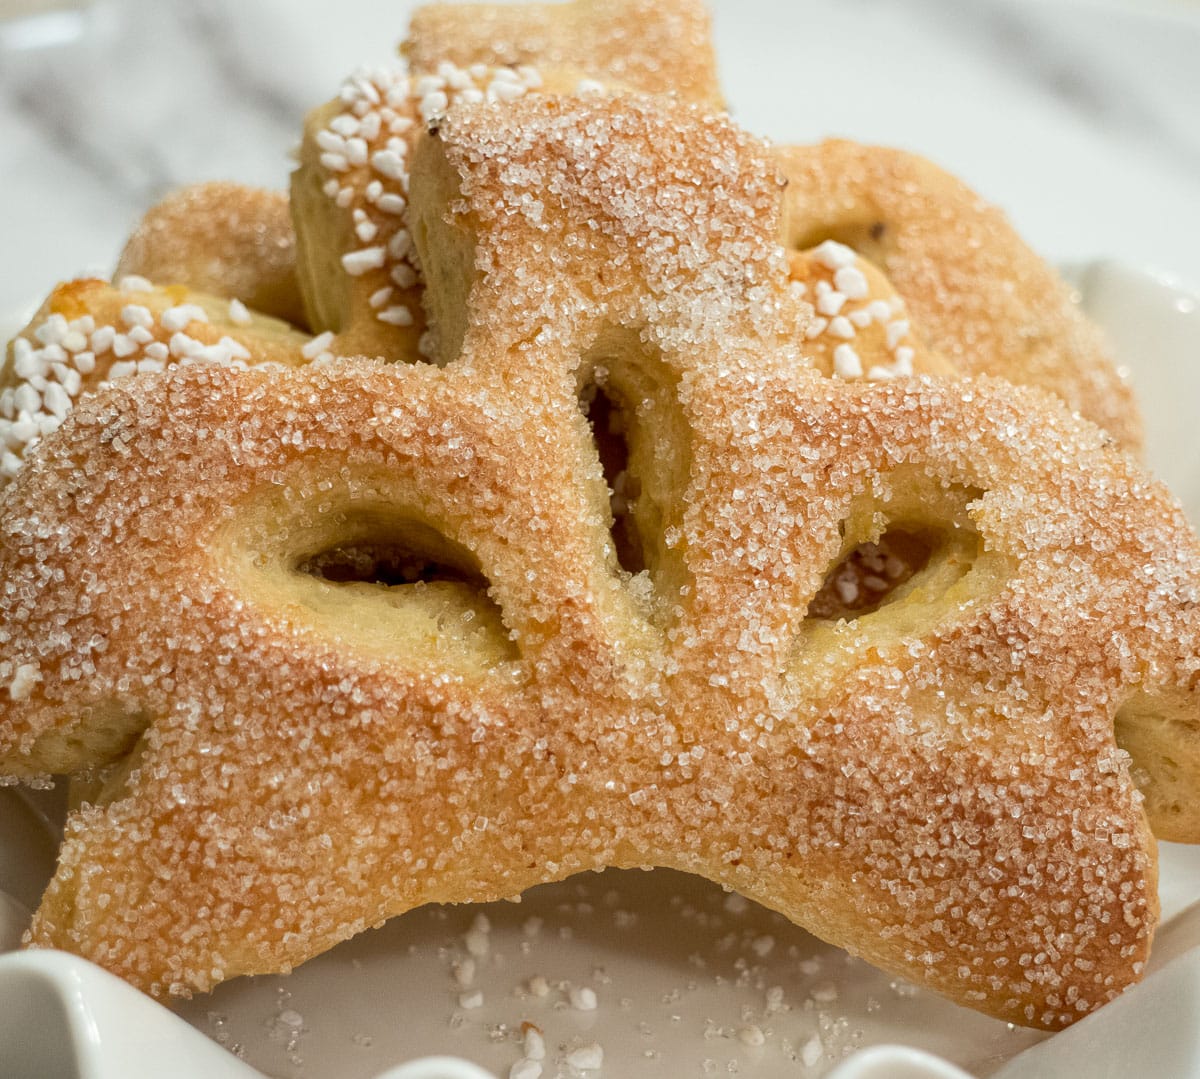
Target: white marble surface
x=1079 y=118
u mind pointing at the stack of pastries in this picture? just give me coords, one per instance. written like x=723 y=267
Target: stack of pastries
x=560 y=478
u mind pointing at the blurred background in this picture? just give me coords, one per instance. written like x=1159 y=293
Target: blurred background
x=1079 y=118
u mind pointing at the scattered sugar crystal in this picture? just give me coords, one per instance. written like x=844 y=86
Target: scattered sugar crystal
x=582 y=998
x=26 y=676
x=464 y=972
x=586 y=1057
x=477 y=940
x=736 y=904
x=533 y=1043
x=846 y=362
x=317 y=345
x=763 y=946
x=851 y=282
x=357 y=263
x=834 y=256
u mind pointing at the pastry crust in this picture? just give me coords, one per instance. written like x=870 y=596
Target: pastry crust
x=934 y=784
x=358 y=267
x=978 y=295
x=223 y=239
x=647 y=46
x=88 y=333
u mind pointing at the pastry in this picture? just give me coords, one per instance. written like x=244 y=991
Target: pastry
x=88 y=333
x=976 y=292
x=223 y=239
x=978 y=300
x=357 y=266
x=647 y=46
x=357 y=637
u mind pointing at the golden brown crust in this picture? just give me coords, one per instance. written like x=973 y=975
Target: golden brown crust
x=357 y=263
x=89 y=332
x=223 y=239
x=978 y=295
x=651 y=46
x=861 y=326
x=934 y=785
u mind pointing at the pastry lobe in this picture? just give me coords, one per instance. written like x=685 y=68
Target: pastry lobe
x=646 y=46
x=977 y=294
x=89 y=333
x=222 y=239
x=375 y=641
x=358 y=268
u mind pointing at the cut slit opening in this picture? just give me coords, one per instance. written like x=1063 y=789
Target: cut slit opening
x=394 y=583
x=866 y=237
x=870 y=575
x=606 y=416
x=377 y=548
x=390 y=565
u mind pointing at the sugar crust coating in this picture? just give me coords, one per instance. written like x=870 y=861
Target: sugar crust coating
x=649 y=46
x=223 y=239
x=978 y=295
x=357 y=262
x=88 y=333
x=979 y=300
x=935 y=786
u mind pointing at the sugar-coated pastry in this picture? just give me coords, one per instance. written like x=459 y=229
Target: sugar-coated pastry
x=224 y=239
x=650 y=46
x=357 y=264
x=359 y=636
x=88 y=333
x=976 y=292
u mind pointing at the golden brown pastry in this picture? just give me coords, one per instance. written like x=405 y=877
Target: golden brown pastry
x=357 y=263
x=88 y=333
x=238 y=241
x=224 y=239
x=368 y=631
x=977 y=294
x=648 y=46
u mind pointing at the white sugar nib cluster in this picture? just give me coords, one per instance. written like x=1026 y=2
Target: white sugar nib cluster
x=845 y=305
x=365 y=150
x=56 y=360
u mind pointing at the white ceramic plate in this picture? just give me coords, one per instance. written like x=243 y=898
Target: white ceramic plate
x=686 y=979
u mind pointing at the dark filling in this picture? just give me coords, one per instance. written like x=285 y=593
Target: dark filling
x=610 y=433
x=869 y=575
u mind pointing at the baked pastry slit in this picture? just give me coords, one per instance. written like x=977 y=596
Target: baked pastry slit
x=629 y=395
x=910 y=562
x=873 y=574
x=366 y=572
x=607 y=418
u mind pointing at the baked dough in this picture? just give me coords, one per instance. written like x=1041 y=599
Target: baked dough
x=222 y=239
x=88 y=333
x=977 y=294
x=647 y=46
x=372 y=626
